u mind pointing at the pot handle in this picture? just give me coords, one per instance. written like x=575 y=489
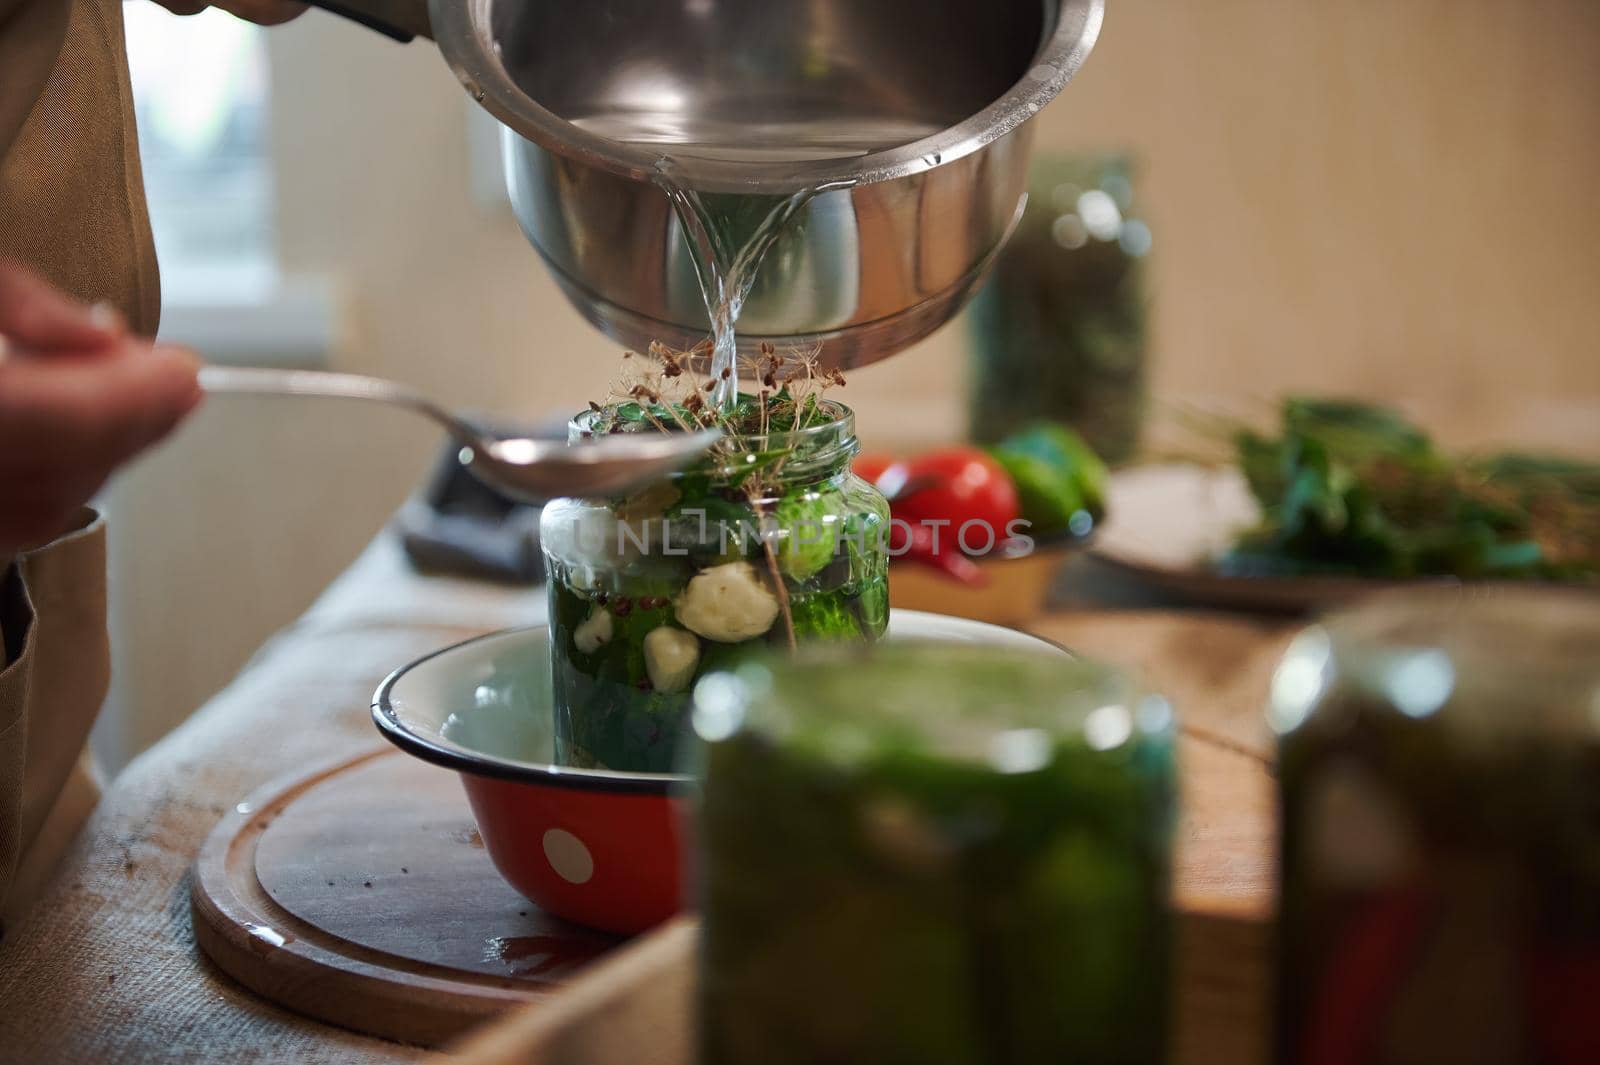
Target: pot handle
x=402 y=20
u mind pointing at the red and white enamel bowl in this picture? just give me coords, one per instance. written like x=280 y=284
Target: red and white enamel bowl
x=595 y=847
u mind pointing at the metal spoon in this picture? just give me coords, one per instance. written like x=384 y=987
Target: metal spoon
x=526 y=469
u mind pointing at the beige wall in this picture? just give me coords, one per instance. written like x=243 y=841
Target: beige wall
x=1390 y=198
x=1383 y=197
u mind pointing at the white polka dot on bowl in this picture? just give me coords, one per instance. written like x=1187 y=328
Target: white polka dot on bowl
x=568 y=856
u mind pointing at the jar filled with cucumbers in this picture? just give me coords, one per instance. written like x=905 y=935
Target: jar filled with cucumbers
x=933 y=853
x=769 y=542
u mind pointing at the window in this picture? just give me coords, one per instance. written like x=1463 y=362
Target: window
x=200 y=91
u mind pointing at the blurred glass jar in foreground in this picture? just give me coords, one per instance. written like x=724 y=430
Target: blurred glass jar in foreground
x=1058 y=331
x=1440 y=788
x=770 y=541
x=934 y=854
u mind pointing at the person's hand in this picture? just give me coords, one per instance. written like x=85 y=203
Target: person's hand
x=79 y=396
x=261 y=12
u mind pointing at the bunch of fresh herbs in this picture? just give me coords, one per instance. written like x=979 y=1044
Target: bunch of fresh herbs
x=1356 y=489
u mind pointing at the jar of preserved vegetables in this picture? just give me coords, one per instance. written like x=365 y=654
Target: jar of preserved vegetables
x=1439 y=768
x=1058 y=331
x=932 y=853
x=770 y=541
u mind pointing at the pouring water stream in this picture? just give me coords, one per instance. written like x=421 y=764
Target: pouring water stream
x=727 y=272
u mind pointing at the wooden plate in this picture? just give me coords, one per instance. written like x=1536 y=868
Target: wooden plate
x=360 y=894
x=1013 y=592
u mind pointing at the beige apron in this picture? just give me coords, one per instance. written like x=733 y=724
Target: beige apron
x=72 y=208
x=71 y=192
x=53 y=621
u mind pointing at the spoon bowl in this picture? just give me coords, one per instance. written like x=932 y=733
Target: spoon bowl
x=612 y=466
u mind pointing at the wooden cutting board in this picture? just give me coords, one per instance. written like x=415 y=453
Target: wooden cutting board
x=360 y=894
x=417 y=938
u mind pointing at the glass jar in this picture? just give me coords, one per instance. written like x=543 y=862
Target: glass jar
x=1439 y=775
x=1058 y=330
x=930 y=853
x=769 y=542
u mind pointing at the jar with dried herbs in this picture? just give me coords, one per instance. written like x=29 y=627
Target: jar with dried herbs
x=770 y=541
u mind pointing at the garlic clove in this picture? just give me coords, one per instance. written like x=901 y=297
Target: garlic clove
x=728 y=603
x=670 y=658
x=595 y=630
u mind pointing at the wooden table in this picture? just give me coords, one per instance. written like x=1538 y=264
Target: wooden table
x=105 y=969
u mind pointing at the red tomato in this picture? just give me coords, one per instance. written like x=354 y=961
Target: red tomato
x=958 y=485
x=870 y=466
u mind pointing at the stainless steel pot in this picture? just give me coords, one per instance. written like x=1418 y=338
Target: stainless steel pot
x=915 y=112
